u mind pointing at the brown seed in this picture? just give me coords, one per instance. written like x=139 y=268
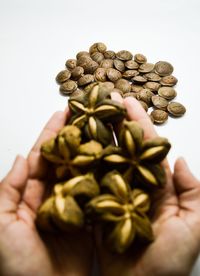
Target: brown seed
x=139 y=58
x=86 y=79
x=68 y=87
x=106 y=63
x=136 y=88
x=97 y=47
x=88 y=64
x=77 y=92
x=82 y=54
x=176 y=109
x=131 y=64
x=146 y=67
x=63 y=76
x=159 y=116
x=128 y=74
x=169 y=81
x=163 y=68
x=153 y=86
x=130 y=94
x=124 y=55
x=109 y=54
x=98 y=57
x=113 y=74
x=168 y=93
x=71 y=63
x=139 y=79
x=108 y=85
x=100 y=74
x=123 y=85
x=145 y=95
x=144 y=105
x=77 y=72
x=152 y=77
x=119 y=65
x=159 y=102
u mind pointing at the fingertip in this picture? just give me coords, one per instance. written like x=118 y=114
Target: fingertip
x=116 y=97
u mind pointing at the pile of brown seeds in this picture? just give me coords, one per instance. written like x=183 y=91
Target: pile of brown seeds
x=128 y=74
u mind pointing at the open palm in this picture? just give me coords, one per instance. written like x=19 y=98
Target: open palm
x=176 y=222
x=23 y=251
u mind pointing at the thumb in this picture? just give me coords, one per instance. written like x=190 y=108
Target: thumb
x=12 y=186
x=184 y=180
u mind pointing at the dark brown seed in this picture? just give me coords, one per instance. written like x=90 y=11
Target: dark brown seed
x=68 y=87
x=163 y=68
x=119 y=65
x=123 y=85
x=152 y=77
x=124 y=55
x=113 y=74
x=145 y=95
x=106 y=63
x=71 y=63
x=136 y=88
x=100 y=74
x=88 y=64
x=63 y=76
x=176 y=109
x=153 y=86
x=146 y=67
x=139 y=79
x=77 y=72
x=109 y=54
x=98 y=57
x=169 y=81
x=130 y=94
x=128 y=74
x=86 y=79
x=159 y=102
x=159 y=116
x=139 y=58
x=82 y=54
x=97 y=47
x=144 y=105
x=168 y=93
x=131 y=64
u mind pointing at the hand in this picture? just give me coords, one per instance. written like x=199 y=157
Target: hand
x=176 y=222
x=22 y=250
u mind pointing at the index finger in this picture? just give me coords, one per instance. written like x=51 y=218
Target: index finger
x=137 y=113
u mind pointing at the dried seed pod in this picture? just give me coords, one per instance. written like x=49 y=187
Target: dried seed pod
x=159 y=102
x=159 y=116
x=106 y=63
x=139 y=58
x=169 y=81
x=167 y=92
x=146 y=68
x=77 y=72
x=68 y=87
x=145 y=95
x=100 y=74
x=163 y=68
x=98 y=57
x=153 y=86
x=86 y=79
x=132 y=65
x=82 y=53
x=128 y=74
x=176 y=109
x=119 y=65
x=109 y=54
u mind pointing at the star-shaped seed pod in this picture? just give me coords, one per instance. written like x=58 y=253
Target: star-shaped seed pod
x=62 y=149
x=94 y=111
x=122 y=211
x=143 y=157
x=64 y=208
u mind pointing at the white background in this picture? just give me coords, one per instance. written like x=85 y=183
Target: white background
x=36 y=38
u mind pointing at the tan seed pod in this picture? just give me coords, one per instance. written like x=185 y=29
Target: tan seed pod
x=113 y=74
x=68 y=87
x=77 y=72
x=136 y=88
x=128 y=74
x=124 y=55
x=109 y=54
x=98 y=57
x=163 y=68
x=86 y=79
x=132 y=65
x=71 y=63
x=119 y=65
x=167 y=92
x=82 y=53
x=176 y=109
x=146 y=67
x=97 y=47
x=140 y=58
x=159 y=102
x=123 y=85
x=106 y=63
x=159 y=116
x=63 y=76
x=169 y=81
x=153 y=86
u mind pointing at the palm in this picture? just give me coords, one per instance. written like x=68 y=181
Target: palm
x=37 y=253
x=175 y=221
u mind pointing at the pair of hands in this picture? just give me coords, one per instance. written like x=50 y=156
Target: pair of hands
x=23 y=251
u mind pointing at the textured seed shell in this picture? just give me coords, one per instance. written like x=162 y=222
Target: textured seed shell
x=77 y=72
x=146 y=67
x=163 y=68
x=169 y=81
x=97 y=56
x=113 y=74
x=68 y=87
x=86 y=79
x=153 y=86
x=159 y=116
x=159 y=102
x=63 y=76
x=106 y=63
x=124 y=55
x=100 y=74
x=119 y=65
x=140 y=58
x=71 y=63
x=123 y=85
x=131 y=64
x=167 y=92
x=176 y=109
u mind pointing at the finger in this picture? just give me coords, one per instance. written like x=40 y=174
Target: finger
x=117 y=97
x=12 y=186
x=184 y=180
x=36 y=163
x=137 y=113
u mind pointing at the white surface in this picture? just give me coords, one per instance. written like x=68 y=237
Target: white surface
x=36 y=37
